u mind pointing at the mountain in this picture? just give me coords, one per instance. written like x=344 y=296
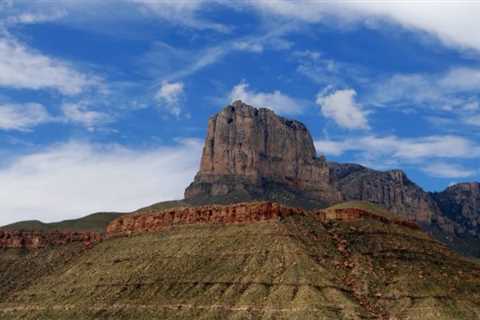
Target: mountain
x=253 y=154
x=460 y=203
x=245 y=261
x=391 y=189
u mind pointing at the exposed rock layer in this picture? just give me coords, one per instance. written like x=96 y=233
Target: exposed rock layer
x=252 y=154
x=391 y=189
x=234 y=214
x=250 y=151
x=37 y=239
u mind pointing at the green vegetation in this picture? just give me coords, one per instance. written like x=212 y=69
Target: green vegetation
x=295 y=268
x=368 y=206
x=94 y=222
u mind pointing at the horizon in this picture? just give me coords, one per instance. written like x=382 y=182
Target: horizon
x=104 y=105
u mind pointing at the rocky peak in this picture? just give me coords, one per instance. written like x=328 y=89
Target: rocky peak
x=461 y=203
x=247 y=149
x=392 y=189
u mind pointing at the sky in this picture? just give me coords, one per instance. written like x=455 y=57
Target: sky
x=104 y=104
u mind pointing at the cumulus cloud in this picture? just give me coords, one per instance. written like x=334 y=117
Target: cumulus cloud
x=22 y=117
x=77 y=178
x=341 y=107
x=169 y=96
x=276 y=100
x=23 y=68
x=454 y=23
x=79 y=113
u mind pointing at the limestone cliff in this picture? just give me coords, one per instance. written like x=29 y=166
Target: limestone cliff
x=391 y=189
x=252 y=153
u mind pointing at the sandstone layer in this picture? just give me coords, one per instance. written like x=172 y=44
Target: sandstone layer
x=38 y=239
x=241 y=213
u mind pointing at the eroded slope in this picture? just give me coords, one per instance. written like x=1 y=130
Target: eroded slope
x=293 y=267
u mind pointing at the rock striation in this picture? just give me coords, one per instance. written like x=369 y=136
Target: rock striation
x=240 y=213
x=392 y=189
x=37 y=239
x=252 y=153
x=215 y=214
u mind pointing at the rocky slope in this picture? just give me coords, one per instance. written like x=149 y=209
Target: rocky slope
x=452 y=216
x=461 y=203
x=286 y=267
x=391 y=189
x=460 y=206
x=252 y=153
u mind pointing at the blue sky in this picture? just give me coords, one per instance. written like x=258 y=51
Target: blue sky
x=104 y=104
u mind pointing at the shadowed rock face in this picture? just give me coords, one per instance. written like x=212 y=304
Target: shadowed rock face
x=392 y=189
x=461 y=203
x=249 y=152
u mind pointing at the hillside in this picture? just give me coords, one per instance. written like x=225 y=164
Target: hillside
x=292 y=267
x=96 y=222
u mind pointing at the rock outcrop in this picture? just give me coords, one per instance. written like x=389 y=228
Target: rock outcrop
x=461 y=204
x=252 y=153
x=391 y=189
x=38 y=239
x=240 y=213
x=214 y=214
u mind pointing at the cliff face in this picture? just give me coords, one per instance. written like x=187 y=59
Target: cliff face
x=392 y=189
x=252 y=153
x=240 y=213
x=461 y=203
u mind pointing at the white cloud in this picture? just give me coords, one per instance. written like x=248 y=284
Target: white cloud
x=448 y=146
x=473 y=120
x=169 y=96
x=35 y=17
x=248 y=46
x=343 y=109
x=73 y=179
x=446 y=170
x=328 y=147
x=454 y=23
x=428 y=154
x=22 y=117
x=79 y=113
x=454 y=90
x=275 y=100
x=23 y=68
x=183 y=12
